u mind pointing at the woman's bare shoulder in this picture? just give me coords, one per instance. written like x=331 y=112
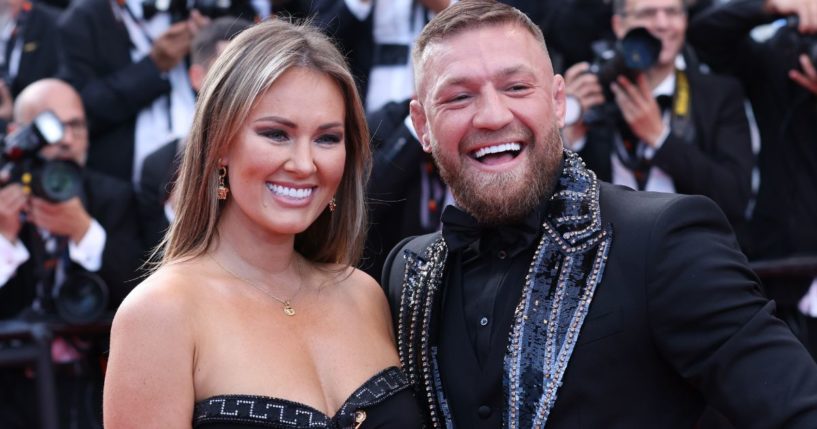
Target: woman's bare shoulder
x=168 y=294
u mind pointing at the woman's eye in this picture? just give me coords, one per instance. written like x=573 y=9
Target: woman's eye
x=277 y=135
x=330 y=139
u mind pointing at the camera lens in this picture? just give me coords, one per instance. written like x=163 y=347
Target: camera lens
x=58 y=181
x=81 y=298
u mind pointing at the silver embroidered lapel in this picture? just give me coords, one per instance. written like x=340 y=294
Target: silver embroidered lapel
x=566 y=268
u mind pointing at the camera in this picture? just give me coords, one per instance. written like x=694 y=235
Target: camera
x=180 y=9
x=804 y=43
x=637 y=52
x=81 y=298
x=52 y=180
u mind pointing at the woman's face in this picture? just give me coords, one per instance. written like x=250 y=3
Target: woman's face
x=288 y=159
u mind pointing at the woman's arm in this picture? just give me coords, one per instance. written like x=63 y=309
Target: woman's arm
x=149 y=379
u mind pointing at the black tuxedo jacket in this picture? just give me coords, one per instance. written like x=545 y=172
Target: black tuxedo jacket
x=719 y=162
x=678 y=321
x=158 y=170
x=42 y=54
x=113 y=88
x=111 y=203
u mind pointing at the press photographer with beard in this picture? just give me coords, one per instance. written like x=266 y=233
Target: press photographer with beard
x=91 y=234
x=553 y=299
x=674 y=128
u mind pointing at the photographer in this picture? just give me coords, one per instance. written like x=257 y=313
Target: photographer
x=93 y=232
x=673 y=128
x=98 y=226
x=780 y=80
x=126 y=58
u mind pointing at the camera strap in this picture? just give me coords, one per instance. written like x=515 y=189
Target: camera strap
x=681 y=124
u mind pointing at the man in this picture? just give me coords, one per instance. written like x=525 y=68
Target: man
x=94 y=232
x=552 y=299
x=695 y=141
x=781 y=83
x=127 y=63
x=159 y=169
x=29 y=49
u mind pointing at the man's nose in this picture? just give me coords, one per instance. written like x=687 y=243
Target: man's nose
x=492 y=110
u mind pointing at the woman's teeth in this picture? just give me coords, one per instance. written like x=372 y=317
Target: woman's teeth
x=297 y=193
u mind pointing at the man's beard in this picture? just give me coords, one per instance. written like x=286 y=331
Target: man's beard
x=506 y=197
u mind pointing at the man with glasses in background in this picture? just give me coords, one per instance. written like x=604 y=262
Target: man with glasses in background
x=93 y=232
x=673 y=128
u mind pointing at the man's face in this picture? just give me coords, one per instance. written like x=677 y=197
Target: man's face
x=68 y=108
x=665 y=19
x=489 y=110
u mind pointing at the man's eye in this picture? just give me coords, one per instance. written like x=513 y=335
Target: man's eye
x=458 y=97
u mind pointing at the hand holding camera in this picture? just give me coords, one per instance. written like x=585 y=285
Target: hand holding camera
x=804 y=10
x=614 y=85
x=12 y=203
x=639 y=108
x=6 y=101
x=67 y=218
x=583 y=92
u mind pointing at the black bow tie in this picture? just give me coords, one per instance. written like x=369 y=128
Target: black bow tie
x=460 y=230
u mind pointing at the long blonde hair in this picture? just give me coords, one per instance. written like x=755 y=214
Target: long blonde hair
x=249 y=65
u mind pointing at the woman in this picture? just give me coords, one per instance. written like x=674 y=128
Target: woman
x=255 y=316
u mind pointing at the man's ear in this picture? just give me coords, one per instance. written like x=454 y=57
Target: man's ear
x=196 y=74
x=559 y=104
x=418 y=119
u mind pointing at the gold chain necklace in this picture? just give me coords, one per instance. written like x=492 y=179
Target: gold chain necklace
x=289 y=310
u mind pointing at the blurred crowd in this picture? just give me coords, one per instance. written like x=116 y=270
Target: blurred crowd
x=717 y=98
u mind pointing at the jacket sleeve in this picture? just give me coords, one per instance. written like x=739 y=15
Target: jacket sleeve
x=711 y=322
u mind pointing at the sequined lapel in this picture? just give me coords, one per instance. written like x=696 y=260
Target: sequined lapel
x=566 y=268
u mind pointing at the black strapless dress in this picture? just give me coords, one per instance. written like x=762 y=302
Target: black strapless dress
x=383 y=401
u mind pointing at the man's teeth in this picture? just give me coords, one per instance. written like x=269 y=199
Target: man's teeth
x=515 y=147
x=299 y=193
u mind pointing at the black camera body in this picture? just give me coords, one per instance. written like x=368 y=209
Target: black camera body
x=52 y=180
x=180 y=9
x=803 y=43
x=637 y=52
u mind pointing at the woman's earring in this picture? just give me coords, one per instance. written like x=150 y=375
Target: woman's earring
x=333 y=205
x=222 y=189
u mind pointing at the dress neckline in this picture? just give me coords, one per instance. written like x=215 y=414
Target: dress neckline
x=287 y=413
